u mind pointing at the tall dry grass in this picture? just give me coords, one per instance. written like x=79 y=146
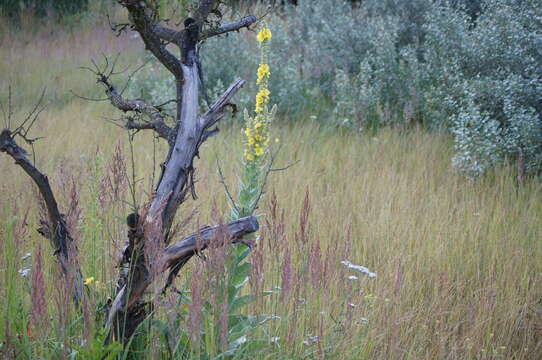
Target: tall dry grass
x=458 y=263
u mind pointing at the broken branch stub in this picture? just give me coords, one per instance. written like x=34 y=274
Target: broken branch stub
x=128 y=302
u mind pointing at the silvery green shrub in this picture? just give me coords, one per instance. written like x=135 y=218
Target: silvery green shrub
x=483 y=81
x=471 y=68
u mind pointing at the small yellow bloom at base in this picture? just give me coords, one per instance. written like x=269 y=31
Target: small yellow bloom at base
x=89 y=280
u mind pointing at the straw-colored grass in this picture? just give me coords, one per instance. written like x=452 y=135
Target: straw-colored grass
x=459 y=263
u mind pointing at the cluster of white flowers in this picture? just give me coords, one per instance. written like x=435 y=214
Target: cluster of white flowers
x=359 y=268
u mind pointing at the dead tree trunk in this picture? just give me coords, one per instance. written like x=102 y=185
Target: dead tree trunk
x=150 y=229
x=190 y=131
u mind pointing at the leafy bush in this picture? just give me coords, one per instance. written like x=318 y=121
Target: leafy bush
x=467 y=67
x=484 y=80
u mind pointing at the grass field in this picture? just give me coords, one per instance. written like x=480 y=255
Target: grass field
x=458 y=263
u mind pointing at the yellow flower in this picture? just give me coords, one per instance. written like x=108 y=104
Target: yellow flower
x=257 y=132
x=264 y=35
x=89 y=280
x=262 y=97
x=263 y=73
x=277 y=140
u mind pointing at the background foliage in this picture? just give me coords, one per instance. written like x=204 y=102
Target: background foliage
x=470 y=68
x=41 y=8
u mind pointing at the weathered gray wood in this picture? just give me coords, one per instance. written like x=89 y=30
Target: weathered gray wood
x=156 y=120
x=176 y=179
x=169 y=192
x=233 y=26
x=179 y=253
x=187 y=247
x=55 y=230
x=146 y=26
x=216 y=111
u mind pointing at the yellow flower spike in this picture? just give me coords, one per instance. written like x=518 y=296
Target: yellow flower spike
x=257 y=127
x=263 y=73
x=89 y=280
x=264 y=35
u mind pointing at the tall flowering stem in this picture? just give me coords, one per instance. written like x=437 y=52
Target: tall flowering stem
x=256 y=134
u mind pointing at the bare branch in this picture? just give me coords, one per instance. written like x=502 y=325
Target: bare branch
x=55 y=229
x=285 y=167
x=202 y=12
x=226 y=188
x=33 y=114
x=167 y=34
x=233 y=26
x=159 y=127
x=143 y=18
x=139 y=107
x=183 y=250
x=216 y=111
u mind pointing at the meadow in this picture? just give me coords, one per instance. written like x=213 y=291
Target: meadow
x=457 y=261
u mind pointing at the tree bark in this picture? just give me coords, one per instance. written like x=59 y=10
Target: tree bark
x=150 y=229
x=55 y=229
x=176 y=180
x=127 y=311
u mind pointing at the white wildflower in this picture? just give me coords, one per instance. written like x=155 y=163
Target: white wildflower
x=361 y=269
x=24 y=272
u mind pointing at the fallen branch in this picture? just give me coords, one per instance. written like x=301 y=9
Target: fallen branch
x=173 y=258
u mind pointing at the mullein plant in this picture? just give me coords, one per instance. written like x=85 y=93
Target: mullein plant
x=256 y=137
x=256 y=165
x=218 y=327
